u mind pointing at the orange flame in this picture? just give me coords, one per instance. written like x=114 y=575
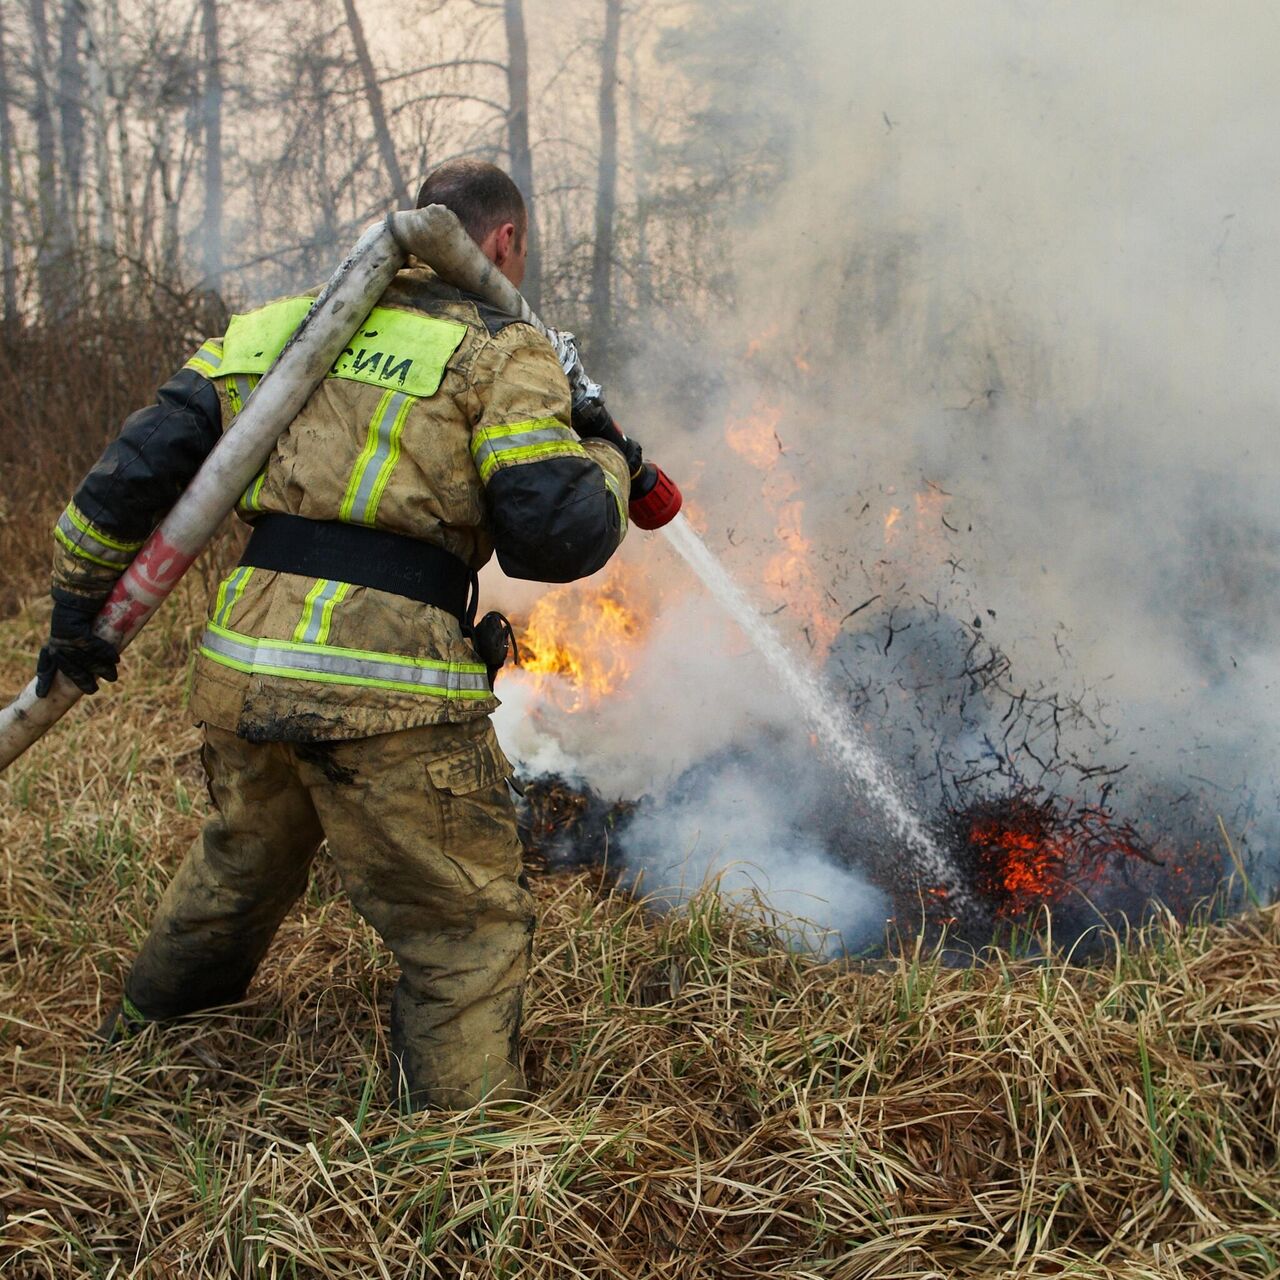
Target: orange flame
x=576 y=646
x=788 y=574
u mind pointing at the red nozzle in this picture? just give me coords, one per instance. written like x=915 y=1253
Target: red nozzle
x=655 y=500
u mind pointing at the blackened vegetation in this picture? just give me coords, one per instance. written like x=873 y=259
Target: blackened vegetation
x=565 y=824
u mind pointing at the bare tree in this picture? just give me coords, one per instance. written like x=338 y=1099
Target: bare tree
x=373 y=94
x=51 y=236
x=8 y=264
x=606 y=182
x=518 y=137
x=211 y=115
x=104 y=232
x=71 y=99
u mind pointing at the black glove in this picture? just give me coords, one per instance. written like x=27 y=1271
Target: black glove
x=592 y=420
x=73 y=649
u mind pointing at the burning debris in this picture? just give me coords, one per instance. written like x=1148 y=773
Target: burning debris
x=564 y=825
x=1022 y=852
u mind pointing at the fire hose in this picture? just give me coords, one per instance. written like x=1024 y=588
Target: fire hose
x=435 y=236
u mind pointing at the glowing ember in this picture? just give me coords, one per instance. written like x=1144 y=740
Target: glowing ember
x=1022 y=852
x=1025 y=867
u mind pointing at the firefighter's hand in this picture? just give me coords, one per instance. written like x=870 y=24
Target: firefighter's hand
x=73 y=649
x=592 y=420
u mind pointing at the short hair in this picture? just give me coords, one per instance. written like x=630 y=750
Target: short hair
x=482 y=196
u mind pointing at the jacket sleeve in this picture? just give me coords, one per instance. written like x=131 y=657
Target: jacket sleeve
x=557 y=504
x=136 y=480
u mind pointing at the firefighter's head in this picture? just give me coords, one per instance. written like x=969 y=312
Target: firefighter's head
x=490 y=208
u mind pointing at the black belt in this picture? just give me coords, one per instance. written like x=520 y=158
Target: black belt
x=366 y=558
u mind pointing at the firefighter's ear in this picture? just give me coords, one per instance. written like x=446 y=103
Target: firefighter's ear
x=509 y=251
x=504 y=245
x=496 y=246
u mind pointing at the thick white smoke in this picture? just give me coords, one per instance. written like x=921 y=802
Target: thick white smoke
x=1025 y=253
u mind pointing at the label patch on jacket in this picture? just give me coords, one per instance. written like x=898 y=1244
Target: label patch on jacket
x=403 y=350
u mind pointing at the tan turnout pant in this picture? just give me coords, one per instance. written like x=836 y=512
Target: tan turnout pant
x=421 y=828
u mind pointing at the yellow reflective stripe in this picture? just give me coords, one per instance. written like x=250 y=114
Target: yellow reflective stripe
x=81 y=522
x=329 y=664
x=313 y=627
x=308 y=608
x=616 y=490
x=326 y=611
x=362 y=462
x=493 y=447
x=239 y=388
x=77 y=550
x=531 y=453
x=251 y=499
x=377 y=459
x=229 y=593
x=207 y=360
x=389 y=464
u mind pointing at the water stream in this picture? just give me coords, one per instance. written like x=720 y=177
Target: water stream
x=866 y=773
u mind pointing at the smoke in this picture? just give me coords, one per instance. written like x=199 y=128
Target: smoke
x=1022 y=253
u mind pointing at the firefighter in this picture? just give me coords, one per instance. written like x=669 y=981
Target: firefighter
x=338 y=681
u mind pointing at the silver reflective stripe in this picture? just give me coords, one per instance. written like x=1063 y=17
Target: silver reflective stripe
x=83 y=543
x=374 y=471
x=490 y=447
x=230 y=592
x=343 y=666
x=316 y=613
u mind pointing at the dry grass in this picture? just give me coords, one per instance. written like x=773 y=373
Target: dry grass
x=708 y=1103
x=65 y=390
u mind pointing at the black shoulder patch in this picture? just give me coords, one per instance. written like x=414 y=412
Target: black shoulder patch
x=494 y=320
x=426 y=292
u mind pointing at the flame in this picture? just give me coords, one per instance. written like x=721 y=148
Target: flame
x=788 y=575
x=576 y=646
x=895 y=514
x=757 y=439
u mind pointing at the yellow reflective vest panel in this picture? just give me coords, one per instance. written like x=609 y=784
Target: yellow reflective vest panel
x=441 y=423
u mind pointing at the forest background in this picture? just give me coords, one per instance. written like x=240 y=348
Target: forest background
x=162 y=163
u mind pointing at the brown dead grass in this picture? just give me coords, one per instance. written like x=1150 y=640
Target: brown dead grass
x=65 y=390
x=708 y=1104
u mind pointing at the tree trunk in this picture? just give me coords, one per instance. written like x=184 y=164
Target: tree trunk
x=71 y=98
x=373 y=93
x=104 y=231
x=131 y=236
x=606 y=186
x=211 y=111
x=8 y=266
x=51 y=235
x=518 y=138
